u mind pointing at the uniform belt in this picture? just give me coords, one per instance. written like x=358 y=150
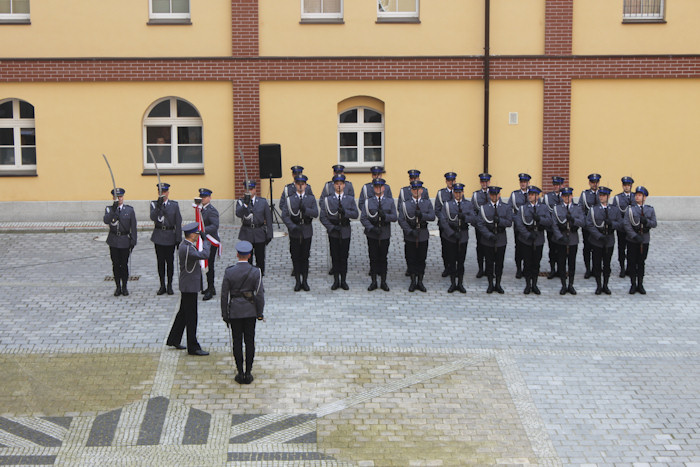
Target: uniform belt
x=119 y=234
x=163 y=227
x=255 y=226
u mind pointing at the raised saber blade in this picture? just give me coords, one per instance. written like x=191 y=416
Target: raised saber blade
x=111 y=174
x=155 y=164
x=245 y=168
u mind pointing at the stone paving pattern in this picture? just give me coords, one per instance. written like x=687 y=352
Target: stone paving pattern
x=347 y=377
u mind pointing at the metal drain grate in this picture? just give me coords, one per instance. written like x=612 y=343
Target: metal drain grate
x=131 y=278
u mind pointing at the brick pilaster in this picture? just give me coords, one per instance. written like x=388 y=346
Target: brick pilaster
x=556 y=129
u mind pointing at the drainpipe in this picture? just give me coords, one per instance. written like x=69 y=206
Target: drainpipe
x=487 y=21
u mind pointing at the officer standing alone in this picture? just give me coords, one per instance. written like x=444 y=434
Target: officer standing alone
x=242 y=305
x=121 y=239
x=210 y=218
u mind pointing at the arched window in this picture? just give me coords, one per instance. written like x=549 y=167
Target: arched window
x=17 y=137
x=360 y=137
x=172 y=134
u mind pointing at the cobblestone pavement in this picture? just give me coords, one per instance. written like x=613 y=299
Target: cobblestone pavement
x=347 y=377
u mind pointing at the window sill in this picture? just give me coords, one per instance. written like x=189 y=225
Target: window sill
x=18 y=173
x=15 y=21
x=174 y=172
x=161 y=22
x=643 y=21
x=322 y=21
x=398 y=20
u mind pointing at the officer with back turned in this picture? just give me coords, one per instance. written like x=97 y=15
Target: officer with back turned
x=121 y=239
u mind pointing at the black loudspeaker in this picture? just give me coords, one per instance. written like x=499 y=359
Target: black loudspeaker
x=270 y=161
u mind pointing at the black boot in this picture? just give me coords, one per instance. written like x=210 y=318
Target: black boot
x=304 y=284
x=118 y=290
x=125 y=291
x=373 y=284
x=453 y=285
x=640 y=287
x=588 y=274
x=297 y=286
x=162 y=289
x=552 y=271
x=498 y=287
x=412 y=287
x=208 y=295
x=535 y=289
x=528 y=286
x=480 y=274
x=570 y=288
x=622 y=269
x=343 y=285
x=384 y=285
x=239 y=377
x=519 y=271
x=489 y=289
x=563 y=289
x=170 y=287
x=606 y=290
x=599 y=285
x=633 y=288
x=248 y=378
x=419 y=284
x=445 y=272
x=460 y=284
x=336 y=282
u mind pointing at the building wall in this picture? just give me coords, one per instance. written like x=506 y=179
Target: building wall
x=90 y=28
x=598 y=29
x=647 y=129
x=77 y=122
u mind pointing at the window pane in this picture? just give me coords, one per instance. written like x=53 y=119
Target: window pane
x=6 y=110
x=373 y=139
x=158 y=135
x=20 y=6
x=348 y=139
x=349 y=116
x=161 y=110
x=372 y=117
x=348 y=155
x=189 y=135
x=5 y=7
x=189 y=154
x=26 y=110
x=397 y=6
x=161 y=6
x=7 y=137
x=186 y=110
x=373 y=154
x=312 y=6
x=7 y=156
x=28 y=156
x=161 y=153
x=181 y=6
x=27 y=136
x=331 y=6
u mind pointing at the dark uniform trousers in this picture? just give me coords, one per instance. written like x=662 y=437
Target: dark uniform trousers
x=340 y=248
x=636 y=257
x=186 y=318
x=553 y=251
x=120 y=263
x=259 y=254
x=416 y=254
x=164 y=256
x=455 y=253
x=587 y=249
x=494 y=260
x=531 y=256
x=565 y=259
x=378 y=252
x=601 y=260
x=300 y=249
x=622 y=250
x=210 y=264
x=243 y=329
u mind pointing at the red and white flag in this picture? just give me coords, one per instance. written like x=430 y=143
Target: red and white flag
x=204 y=263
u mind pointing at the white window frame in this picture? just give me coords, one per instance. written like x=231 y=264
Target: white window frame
x=648 y=16
x=175 y=16
x=334 y=16
x=174 y=122
x=15 y=16
x=360 y=127
x=17 y=123
x=381 y=13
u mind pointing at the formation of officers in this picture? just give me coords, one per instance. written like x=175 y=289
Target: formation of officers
x=533 y=215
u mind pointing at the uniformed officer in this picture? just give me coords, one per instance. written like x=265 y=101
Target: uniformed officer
x=404 y=194
x=551 y=199
x=601 y=223
x=329 y=189
x=210 y=218
x=336 y=210
x=531 y=221
x=479 y=198
x=290 y=188
x=121 y=238
x=167 y=234
x=638 y=220
x=567 y=218
x=455 y=216
x=586 y=201
x=443 y=196
x=378 y=212
x=518 y=198
x=492 y=220
x=621 y=202
x=368 y=189
x=414 y=214
x=190 y=285
x=242 y=305
x=298 y=210
x=256 y=224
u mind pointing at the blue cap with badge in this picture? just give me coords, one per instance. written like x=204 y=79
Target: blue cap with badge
x=192 y=227
x=603 y=190
x=484 y=177
x=338 y=168
x=458 y=187
x=450 y=175
x=593 y=177
x=415 y=184
x=205 y=192
x=627 y=180
x=378 y=182
x=339 y=178
x=534 y=189
x=494 y=190
x=301 y=178
x=557 y=180
x=244 y=247
x=250 y=185
x=297 y=169
x=119 y=192
x=414 y=173
x=642 y=190
x=163 y=186
x=524 y=177
x=567 y=190
x=377 y=169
